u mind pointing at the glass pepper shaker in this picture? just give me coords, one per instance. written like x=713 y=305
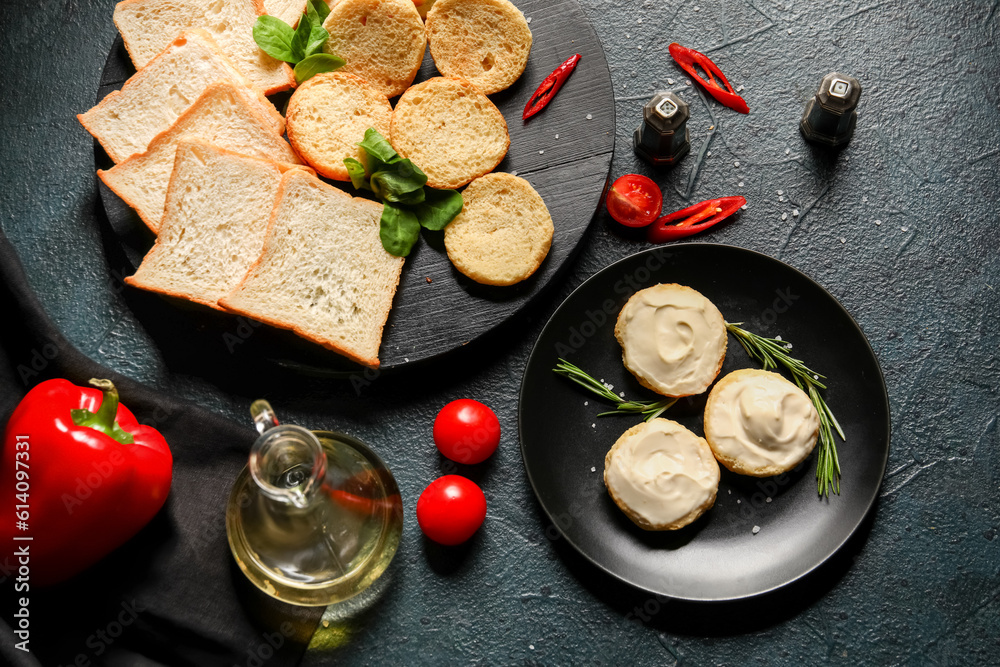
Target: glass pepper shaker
x=662 y=139
x=830 y=116
x=315 y=517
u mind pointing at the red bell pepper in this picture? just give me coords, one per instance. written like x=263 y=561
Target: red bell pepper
x=693 y=219
x=79 y=477
x=724 y=93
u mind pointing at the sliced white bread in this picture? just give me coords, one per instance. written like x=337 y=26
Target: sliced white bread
x=328 y=116
x=383 y=41
x=323 y=273
x=218 y=207
x=223 y=116
x=486 y=42
x=503 y=232
x=127 y=120
x=148 y=26
x=451 y=130
x=288 y=11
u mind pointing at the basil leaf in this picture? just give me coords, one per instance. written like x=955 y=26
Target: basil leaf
x=300 y=37
x=314 y=64
x=274 y=37
x=356 y=171
x=398 y=181
x=398 y=229
x=317 y=40
x=377 y=146
x=318 y=10
x=438 y=208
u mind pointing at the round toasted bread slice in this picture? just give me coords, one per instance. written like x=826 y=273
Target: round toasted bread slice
x=450 y=130
x=484 y=41
x=423 y=6
x=328 y=116
x=382 y=41
x=760 y=424
x=661 y=475
x=503 y=232
x=673 y=339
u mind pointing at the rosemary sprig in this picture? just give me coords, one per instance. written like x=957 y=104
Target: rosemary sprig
x=650 y=409
x=772 y=352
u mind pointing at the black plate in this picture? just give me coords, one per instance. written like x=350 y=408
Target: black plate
x=717 y=557
x=429 y=319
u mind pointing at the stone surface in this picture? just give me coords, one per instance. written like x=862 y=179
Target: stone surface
x=900 y=226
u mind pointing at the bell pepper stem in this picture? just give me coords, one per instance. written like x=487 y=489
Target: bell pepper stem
x=104 y=419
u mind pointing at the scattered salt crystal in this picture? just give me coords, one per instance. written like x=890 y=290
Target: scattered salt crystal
x=864 y=197
x=708 y=154
x=531 y=646
x=886 y=246
x=778 y=337
x=622 y=394
x=593 y=426
x=628 y=36
x=878 y=222
x=795 y=212
x=593 y=469
x=843 y=240
x=406 y=358
x=904 y=229
x=736 y=163
x=557 y=136
x=789 y=31
x=815 y=377
x=730 y=491
x=529 y=21
x=768 y=499
x=590 y=117
x=788 y=347
x=740 y=89
x=639 y=47
x=756 y=529
x=738 y=501
x=513 y=173
x=541 y=152
x=670 y=81
x=640 y=20
x=741 y=184
x=781 y=199
x=586 y=402
x=787 y=151
x=743 y=208
x=784 y=216
x=781 y=192
x=697 y=9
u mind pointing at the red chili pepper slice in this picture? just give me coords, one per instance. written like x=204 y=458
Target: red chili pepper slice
x=550 y=86
x=688 y=58
x=693 y=219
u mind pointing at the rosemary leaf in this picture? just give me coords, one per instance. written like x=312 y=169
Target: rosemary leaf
x=773 y=352
x=649 y=409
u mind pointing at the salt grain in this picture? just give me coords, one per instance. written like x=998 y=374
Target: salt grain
x=789 y=31
x=740 y=89
x=593 y=469
x=730 y=491
x=736 y=163
x=781 y=199
x=743 y=208
x=741 y=184
x=815 y=377
x=541 y=152
x=590 y=117
x=513 y=173
x=640 y=20
x=557 y=136
x=738 y=501
x=781 y=192
x=878 y=222
x=768 y=499
x=708 y=154
x=787 y=151
x=529 y=21
x=586 y=402
x=593 y=426
x=778 y=337
x=697 y=9
x=639 y=47
x=756 y=529
x=904 y=229
x=795 y=212
x=670 y=81
x=843 y=240
x=784 y=216
x=622 y=394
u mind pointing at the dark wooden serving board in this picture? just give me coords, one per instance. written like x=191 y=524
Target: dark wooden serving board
x=430 y=319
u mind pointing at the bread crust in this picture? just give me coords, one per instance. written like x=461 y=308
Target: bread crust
x=482 y=212
x=735 y=464
x=636 y=518
x=490 y=51
x=304 y=139
x=226 y=303
x=645 y=382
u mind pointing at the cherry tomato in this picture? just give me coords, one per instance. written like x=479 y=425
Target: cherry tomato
x=451 y=509
x=634 y=200
x=466 y=431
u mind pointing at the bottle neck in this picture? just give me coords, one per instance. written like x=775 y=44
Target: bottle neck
x=287 y=462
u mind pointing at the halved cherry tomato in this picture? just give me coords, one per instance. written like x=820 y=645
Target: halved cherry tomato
x=634 y=200
x=466 y=431
x=451 y=509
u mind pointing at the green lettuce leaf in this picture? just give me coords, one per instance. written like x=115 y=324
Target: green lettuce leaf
x=356 y=171
x=314 y=64
x=398 y=229
x=274 y=37
x=438 y=208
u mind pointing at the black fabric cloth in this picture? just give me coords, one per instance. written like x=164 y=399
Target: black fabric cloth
x=172 y=595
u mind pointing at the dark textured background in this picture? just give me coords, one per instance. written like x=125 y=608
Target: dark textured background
x=901 y=227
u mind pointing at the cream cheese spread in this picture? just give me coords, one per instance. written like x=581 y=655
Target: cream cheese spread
x=760 y=420
x=673 y=338
x=662 y=472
